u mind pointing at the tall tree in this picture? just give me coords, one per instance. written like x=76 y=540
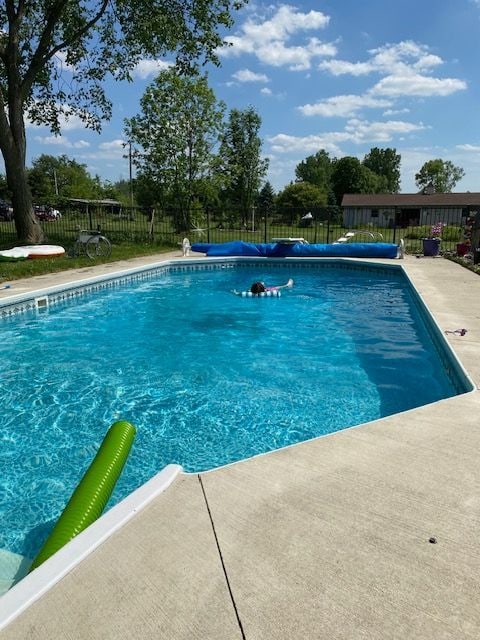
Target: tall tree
x=349 y=175
x=52 y=177
x=316 y=170
x=56 y=54
x=148 y=192
x=240 y=159
x=265 y=199
x=386 y=163
x=442 y=174
x=176 y=134
x=298 y=198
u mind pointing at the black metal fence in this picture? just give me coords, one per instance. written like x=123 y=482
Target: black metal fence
x=170 y=226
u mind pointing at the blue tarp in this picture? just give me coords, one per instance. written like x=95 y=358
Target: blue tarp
x=298 y=250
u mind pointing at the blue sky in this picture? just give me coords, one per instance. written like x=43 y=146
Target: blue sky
x=343 y=76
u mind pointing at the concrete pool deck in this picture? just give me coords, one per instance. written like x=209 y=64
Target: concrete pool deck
x=327 y=539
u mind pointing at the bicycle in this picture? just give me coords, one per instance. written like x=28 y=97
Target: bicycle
x=92 y=244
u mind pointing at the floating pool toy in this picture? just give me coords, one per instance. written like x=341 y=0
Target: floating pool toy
x=263 y=294
x=45 y=251
x=13 y=255
x=93 y=492
x=32 y=251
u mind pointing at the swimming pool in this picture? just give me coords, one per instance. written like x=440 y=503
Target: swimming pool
x=206 y=377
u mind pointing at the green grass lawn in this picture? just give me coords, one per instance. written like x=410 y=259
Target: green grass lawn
x=27 y=268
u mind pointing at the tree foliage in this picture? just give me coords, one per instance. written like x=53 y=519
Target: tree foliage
x=265 y=199
x=385 y=163
x=349 y=175
x=378 y=172
x=120 y=190
x=176 y=134
x=316 y=169
x=240 y=161
x=54 y=178
x=443 y=175
x=56 y=54
x=299 y=197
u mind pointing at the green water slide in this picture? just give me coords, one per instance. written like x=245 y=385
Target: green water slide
x=93 y=492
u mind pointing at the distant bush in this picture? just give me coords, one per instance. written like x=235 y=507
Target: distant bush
x=449 y=233
x=416 y=233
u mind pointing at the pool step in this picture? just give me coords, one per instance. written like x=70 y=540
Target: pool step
x=13 y=567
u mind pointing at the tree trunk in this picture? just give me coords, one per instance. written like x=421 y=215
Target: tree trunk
x=13 y=147
x=27 y=226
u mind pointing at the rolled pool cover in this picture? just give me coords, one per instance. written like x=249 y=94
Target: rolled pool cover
x=93 y=492
x=299 y=250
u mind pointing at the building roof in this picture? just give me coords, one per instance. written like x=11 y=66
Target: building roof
x=411 y=200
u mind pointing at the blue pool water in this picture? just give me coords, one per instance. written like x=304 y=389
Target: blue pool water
x=207 y=377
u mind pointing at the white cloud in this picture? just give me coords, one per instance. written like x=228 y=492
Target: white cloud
x=389 y=59
x=59 y=141
x=280 y=168
x=392 y=57
x=343 y=106
x=417 y=85
x=147 y=68
x=474 y=148
x=362 y=131
x=343 y=67
x=405 y=66
x=113 y=145
x=62 y=141
x=245 y=75
x=356 y=131
x=269 y=39
x=266 y=91
x=113 y=150
x=395 y=112
x=296 y=58
x=283 y=143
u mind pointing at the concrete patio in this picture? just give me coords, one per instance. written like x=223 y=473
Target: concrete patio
x=328 y=539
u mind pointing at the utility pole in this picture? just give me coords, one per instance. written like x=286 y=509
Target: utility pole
x=130 y=172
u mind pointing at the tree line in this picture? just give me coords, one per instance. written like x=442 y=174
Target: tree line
x=321 y=180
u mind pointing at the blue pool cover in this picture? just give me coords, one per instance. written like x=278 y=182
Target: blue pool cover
x=299 y=250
